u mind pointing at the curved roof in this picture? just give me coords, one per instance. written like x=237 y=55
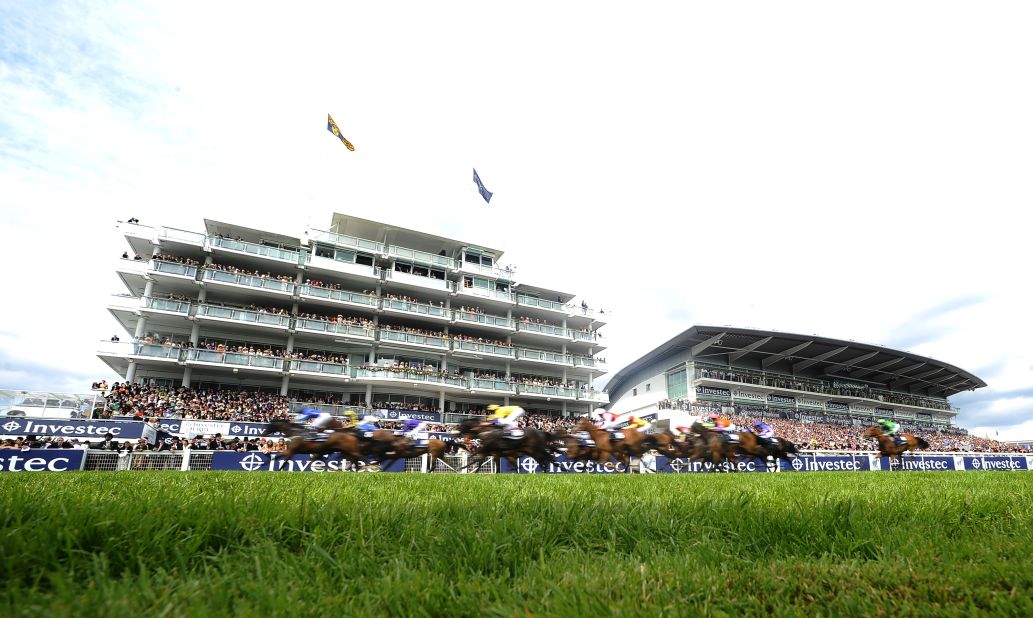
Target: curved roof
x=807 y=356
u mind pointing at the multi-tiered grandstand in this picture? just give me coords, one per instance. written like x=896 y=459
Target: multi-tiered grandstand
x=364 y=314
x=799 y=376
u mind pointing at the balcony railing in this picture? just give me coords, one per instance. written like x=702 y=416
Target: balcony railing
x=531 y=301
x=595 y=396
x=418 y=280
x=344 y=296
x=348 y=242
x=543 y=329
x=542 y=355
x=172 y=268
x=287 y=255
x=422 y=257
x=184 y=236
x=489 y=271
x=234 y=358
x=590 y=363
x=244 y=315
x=151 y=350
x=167 y=304
x=341 y=329
x=264 y=283
x=492 y=385
x=507 y=297
x=476 y=347
x=547 y=391
x=333 y=369
x=413 y=338
x=483 y=319
x=390 y=373
x=577 y=335
x=433 y=311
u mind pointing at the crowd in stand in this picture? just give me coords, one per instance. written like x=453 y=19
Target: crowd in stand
x=481 y=340
x=175 y=259
x=145 y=402
x=822 y=388
x=250 y=273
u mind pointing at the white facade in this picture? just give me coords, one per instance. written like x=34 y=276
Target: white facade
x=363 y=312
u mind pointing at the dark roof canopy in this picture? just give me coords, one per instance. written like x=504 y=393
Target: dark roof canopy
x=808 y=356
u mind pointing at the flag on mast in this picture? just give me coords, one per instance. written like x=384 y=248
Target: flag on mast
x=480 y=187
x=331 y=126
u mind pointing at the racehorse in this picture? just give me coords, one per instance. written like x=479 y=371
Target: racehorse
x=436 y=450
x=889 y=448
x=714 y=445
x=777 y=448
x=601 y=453
x=345 y=442
x=534 y=443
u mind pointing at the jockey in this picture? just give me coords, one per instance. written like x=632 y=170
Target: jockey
x=640 y=424
x=721 y=426
x=763 y=430
x=316 y=419
x=349 y=419
x=368 y=423
x=411 y=427
x=612 y=421
x=506 y=417
x=890 y=429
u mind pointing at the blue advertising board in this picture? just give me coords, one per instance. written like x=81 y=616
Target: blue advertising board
x=663 y=465
x=95 y=430
x=263 y=462
x=562 y=465
x=922 y=462
x=42 y=460
x=994 y=462
x=826 y=463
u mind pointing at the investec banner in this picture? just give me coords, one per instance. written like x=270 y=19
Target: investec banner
x=123 y=430
x=42 y=460
x=526 y=465
x=810 y=403
x=816 y=463
x=995 y=462
x=782 y=399
x=712 y=391
x=403 y=415
x=748 y=396
x=190 y=428
x=664 y=464
x=835 y=406
x=261 y=462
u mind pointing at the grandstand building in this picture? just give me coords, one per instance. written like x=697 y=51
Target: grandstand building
x=795 y=376
x=364 y=312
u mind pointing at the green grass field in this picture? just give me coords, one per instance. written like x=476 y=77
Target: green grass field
x=208 y=543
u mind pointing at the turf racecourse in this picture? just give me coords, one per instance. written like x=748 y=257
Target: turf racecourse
x=217 y=543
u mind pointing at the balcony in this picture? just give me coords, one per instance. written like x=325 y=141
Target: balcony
x=482 y=349
x=249 y=281
x=589 y=363
x=483 y=294
x=481 y=319
x=234 y=359
x=328 y=265
x=154 y=351
x=166 y=305
x=319 y=368
x=347 y=242
x=242 y=247
x=171 y=234
x=243 y=316
x=557 y=392
x=336 y=329
x=492 y=272
x=541 y=303
x=593 y=396
x=548 y=330
x=393 y=374
x=341 y=297
x=417 y=309
x=495 y=386
x=582 y=337
x=398 y=337
x=173 y=269
x=429 y=283
x=542 y=356
x=422 y=257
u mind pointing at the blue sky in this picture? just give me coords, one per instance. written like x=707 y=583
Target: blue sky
x=858 y=172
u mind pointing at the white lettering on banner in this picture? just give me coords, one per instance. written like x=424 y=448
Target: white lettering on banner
x=863 y=409
x=530 y=466
x=32 y=428
x=191 y=428
x=254 y=462
x=710 y=390
x=13 y=463
x=926 y=464
x=995 y=464
x=811 y=403
x=811 y=464
x=781 y=399
x=835 y=405
x=748 y=395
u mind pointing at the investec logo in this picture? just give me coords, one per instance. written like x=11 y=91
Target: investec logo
x=927 y=464
x=811 y=465
x=531 y=466
x=18 y=463
x=12 y=426
x=62 y=429
x=995 y=464
x=254 y=462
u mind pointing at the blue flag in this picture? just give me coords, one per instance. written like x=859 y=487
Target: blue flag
x=480 y=187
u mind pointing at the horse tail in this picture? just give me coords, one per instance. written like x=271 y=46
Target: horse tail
x=921 y=442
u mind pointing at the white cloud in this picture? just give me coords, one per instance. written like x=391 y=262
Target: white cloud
x=806 y=167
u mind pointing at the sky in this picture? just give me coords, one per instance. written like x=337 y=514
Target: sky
x=858 y=171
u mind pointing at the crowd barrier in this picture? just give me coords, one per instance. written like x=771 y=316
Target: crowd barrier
x=67 y=460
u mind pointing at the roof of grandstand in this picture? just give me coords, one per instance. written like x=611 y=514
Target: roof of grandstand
x=808 y=356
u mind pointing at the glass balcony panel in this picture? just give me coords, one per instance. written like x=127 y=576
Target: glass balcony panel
x=417 y=280
x=221 y=276
x=480 y=318
x=165 y=304
x=531 y=301
x=544 y=329
x=582 y=336
x=542 y=355
x=340 y=295
x=419 y=308
x=403 y=337
x=351 y=242
x=390 y=373
x=422 y=257
x=171 y=233
x=492 y=385
x=287 y=255
x=172 y=268
x=156 y=351
x=461 y=345
x=320 y=367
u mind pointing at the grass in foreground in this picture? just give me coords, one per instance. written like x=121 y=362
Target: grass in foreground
x=834 y=544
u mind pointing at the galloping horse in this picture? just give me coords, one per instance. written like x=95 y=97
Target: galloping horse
x=601 y=453
x=889 y=448
x=534 y=443
x=713 y=445
x=435 y=448
x=345 y=442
